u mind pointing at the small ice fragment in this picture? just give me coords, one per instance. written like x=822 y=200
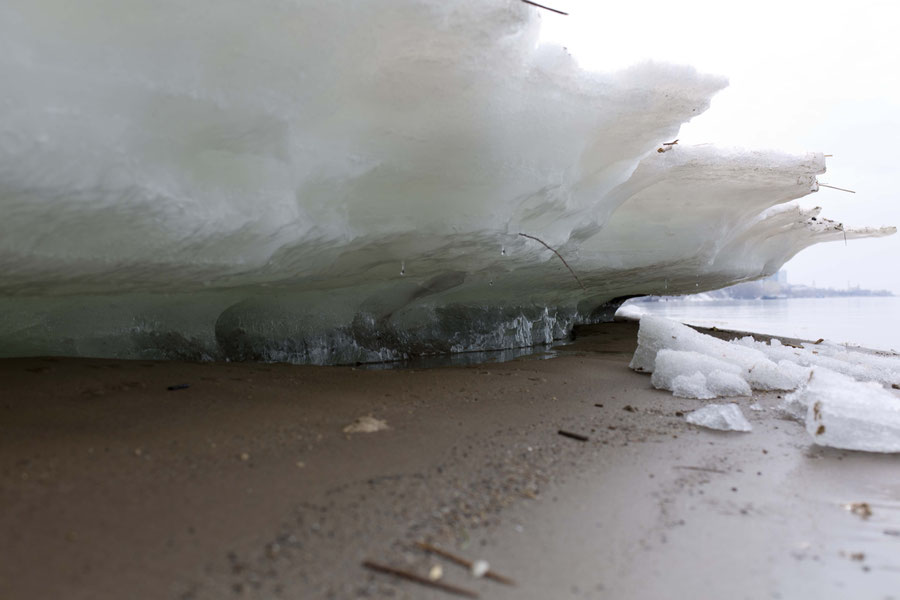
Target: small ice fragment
x=724 y=417
x=756 y=406
x=480 y=567
x=849 y=414
x=367 y=424
x=691 y=386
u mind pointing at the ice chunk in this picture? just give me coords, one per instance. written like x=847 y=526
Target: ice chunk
x=670 y=364
x=727 y=383
x=691 y=386
x=794 y=406
x=658 y=333
x=839 y=393
x=849 y=414
x=698 y=375
x=724 y=417
x=860 y=364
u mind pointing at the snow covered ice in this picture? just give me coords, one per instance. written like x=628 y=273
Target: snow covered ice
x=347 y=181
x=724 y=417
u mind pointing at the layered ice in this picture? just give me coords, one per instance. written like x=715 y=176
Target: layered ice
x=348 y=181
x=724 y=417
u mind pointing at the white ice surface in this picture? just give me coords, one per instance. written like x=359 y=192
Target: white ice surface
x=724 y=417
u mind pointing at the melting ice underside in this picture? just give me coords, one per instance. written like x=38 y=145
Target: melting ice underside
x=347 y=181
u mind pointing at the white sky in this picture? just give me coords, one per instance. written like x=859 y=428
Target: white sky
x=804 y=76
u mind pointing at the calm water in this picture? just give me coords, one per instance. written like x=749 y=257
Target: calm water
x=869 y=322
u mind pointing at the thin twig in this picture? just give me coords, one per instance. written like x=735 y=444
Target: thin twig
x=835 y=188
x=463 y=562
x=531 y=237
x=419 y=579
x=706 y=469
x=559 y=12
x=574 y=436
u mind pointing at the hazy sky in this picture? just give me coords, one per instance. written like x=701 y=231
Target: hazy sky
x=804 y=76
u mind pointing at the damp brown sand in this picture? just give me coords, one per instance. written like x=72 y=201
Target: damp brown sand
x=244 y=484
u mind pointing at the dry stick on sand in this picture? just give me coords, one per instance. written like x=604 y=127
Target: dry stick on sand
x=542 y=242
x=559 y=12
x=452 y=589
x=574 y=436
x=463 y=562
x=692 y=468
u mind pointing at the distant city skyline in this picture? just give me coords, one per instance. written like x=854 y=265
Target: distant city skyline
x=805 y=76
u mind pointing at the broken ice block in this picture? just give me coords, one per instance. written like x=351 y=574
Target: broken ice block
x=670 y=364
x=657 y=333
x=794 y=406
x=862 y=365
x=727 y=383
x=724 y=417
x=691 y=386
x=849 y=414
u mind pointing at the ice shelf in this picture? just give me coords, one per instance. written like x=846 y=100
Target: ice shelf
x=348 y=181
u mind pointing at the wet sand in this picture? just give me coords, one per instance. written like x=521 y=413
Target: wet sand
x=244 y=485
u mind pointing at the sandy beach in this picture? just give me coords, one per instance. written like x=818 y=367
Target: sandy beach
x=245 y=484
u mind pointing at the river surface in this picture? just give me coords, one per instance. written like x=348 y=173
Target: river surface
x=872 y=322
